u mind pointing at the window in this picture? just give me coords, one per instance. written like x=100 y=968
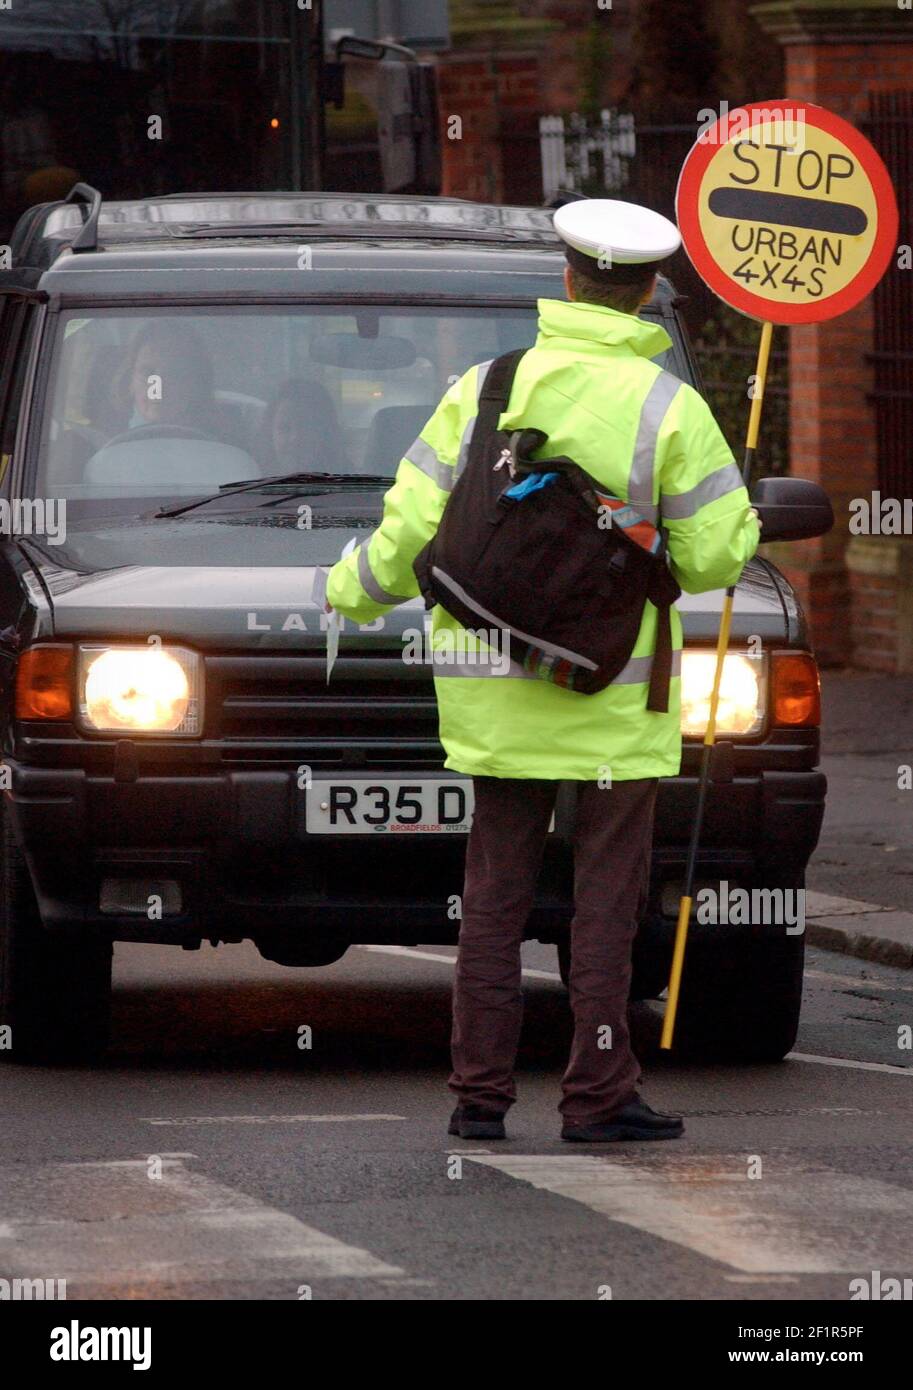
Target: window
x=15 y=314
x=177 y=402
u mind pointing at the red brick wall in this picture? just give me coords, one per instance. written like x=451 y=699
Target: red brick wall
x=874 y=618
x=471 y=163
x=832 y=424
x=497 y=98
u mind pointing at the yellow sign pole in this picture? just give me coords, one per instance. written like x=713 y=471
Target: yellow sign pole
x=684 y=911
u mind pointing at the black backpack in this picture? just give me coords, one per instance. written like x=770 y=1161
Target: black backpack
x=541 y=552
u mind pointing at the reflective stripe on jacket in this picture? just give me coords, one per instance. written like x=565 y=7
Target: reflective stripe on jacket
x=647 y=437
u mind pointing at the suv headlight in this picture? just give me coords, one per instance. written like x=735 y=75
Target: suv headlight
x=140 y=690
x=743 y=693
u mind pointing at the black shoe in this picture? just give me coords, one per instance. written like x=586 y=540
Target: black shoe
x=633 y=1121
x=476 y=1122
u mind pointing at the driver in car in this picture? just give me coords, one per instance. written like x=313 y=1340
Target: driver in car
x=175 y=436
x=169 y=377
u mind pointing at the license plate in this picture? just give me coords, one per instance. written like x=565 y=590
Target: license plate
x=390 y=806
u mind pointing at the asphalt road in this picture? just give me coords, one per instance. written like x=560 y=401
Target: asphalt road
x=213 y=1157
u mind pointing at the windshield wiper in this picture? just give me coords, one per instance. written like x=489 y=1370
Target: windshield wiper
x=284 y=481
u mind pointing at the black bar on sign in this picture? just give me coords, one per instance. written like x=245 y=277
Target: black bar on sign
x=813 y=214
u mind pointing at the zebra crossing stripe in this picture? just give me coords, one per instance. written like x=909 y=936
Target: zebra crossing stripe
x=111 y=1225
x=797 y=1218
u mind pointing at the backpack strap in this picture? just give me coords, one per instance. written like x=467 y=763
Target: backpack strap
x=493 y=398
x=663 y=591
x=661 y=671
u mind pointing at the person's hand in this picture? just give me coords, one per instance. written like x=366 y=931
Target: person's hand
x=754 y=512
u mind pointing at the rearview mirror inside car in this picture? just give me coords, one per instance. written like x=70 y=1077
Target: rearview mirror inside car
x=791 y=509
x=362 y=354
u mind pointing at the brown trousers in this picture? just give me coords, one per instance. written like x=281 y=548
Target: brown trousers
x=612 y=842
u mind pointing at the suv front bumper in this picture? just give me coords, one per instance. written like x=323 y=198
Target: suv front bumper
x=235 y=843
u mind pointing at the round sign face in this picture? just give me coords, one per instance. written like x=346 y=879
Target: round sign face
x=786 y=211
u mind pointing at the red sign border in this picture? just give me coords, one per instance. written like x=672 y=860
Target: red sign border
x=686 y=208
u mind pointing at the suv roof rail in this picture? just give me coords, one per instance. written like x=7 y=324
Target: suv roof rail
x=87 y=239
x=35 y=244
x=83 y=221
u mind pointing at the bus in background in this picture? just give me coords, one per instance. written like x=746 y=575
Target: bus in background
x=145 y=97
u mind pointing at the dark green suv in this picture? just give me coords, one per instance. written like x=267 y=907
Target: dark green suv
x=203 y=399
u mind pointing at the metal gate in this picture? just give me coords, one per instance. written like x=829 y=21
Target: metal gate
x=890 y=128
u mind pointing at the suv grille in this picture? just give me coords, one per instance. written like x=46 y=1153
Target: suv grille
x=371 y=701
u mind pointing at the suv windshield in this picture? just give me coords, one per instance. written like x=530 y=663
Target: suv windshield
x=173 y=403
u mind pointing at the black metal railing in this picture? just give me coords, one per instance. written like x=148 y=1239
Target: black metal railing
x=890 y=128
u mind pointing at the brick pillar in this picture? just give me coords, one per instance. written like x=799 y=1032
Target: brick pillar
x=519 y=97
x=491 y=152
x=836 y=55
x=471 y=162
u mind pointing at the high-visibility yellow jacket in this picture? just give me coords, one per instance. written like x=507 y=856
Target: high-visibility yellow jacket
x=648 y=438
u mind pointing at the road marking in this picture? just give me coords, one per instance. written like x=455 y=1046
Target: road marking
x=410 y=952
x=548 y=975
x=406 y=1283
x=761 y=1278
x=450 y=960
x=268 y=1119
x=824 y=975
x=797 y=1219
x=848 y=1062
x=108 y=1226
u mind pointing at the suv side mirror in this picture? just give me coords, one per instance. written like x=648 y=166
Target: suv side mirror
x=791 y=509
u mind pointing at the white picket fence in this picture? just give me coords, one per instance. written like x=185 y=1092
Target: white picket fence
x=575 y=151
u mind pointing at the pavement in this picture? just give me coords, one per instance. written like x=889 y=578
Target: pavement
x=860 y=880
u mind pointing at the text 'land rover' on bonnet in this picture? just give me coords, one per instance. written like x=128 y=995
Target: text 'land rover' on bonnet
x=203 y=399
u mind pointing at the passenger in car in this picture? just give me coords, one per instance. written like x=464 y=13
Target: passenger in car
x=301 y=432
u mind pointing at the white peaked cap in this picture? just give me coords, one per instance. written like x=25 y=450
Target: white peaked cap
x=628 y=233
